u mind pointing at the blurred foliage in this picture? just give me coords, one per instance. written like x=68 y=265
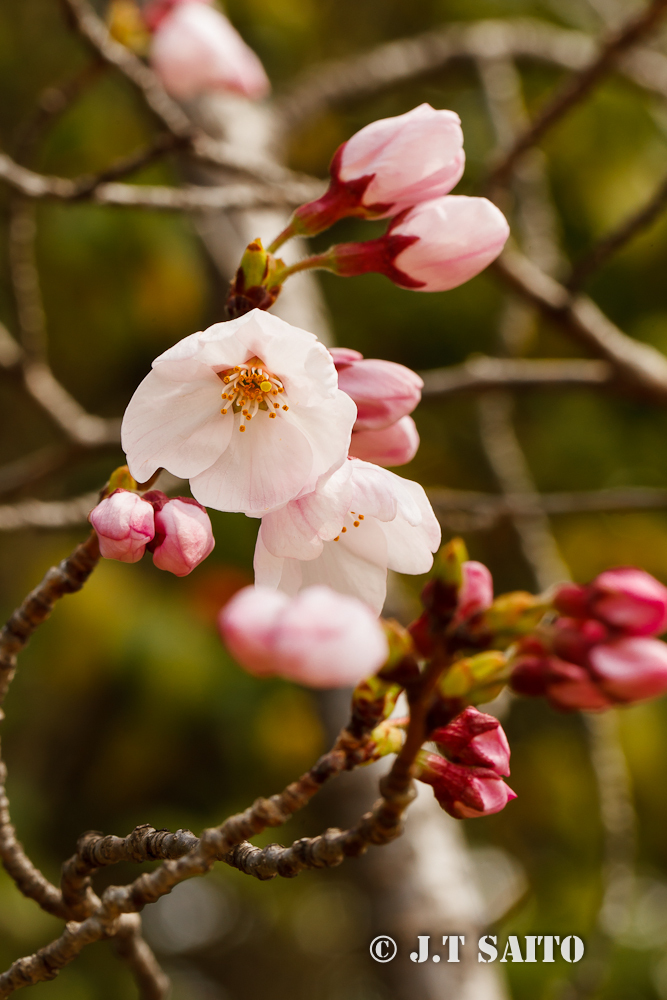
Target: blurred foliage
x=126 y=709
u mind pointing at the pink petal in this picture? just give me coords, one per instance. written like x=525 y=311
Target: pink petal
x=630 y=669
x=124 y=524
x=382 y=390
x=393 y=445
x=630 y=599
x=188 y=536
x=247 y=624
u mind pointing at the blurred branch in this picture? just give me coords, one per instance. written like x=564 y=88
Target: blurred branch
x=330 y=83
x=189 y=198
x=129 y=943
x=25 y=278
x=577 y=88
x=94 y=31
x=47 y=513
x=614 y=240
x=638 y=365
x=484 y=373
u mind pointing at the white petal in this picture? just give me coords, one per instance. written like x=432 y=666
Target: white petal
x=408 y=548
x=261 y=470
x=283 y=574
x=297 y=530
x=173 y=421
x=356 y=565
x=328 y=428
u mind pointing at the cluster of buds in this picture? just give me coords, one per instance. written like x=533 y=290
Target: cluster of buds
x=401 y=169
x=467 y=774
x=385 y=394
x=601 y=650
x=176 y=531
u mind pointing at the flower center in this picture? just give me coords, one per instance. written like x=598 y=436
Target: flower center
x=251 y=388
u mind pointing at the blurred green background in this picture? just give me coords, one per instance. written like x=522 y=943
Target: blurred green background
x=126 y=709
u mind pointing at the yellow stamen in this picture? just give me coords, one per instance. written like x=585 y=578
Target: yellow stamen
x=241 y=428
x=356 y=524
x=272 y=416
x=285 y=407
x=337 y=538
x=343 y=530
x=361 y=517
x=265 y=386
x=224 y=411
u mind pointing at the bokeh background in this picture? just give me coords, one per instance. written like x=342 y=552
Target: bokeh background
x=126 y=708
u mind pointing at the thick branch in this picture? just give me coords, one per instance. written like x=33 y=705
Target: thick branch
x=577 y=88
x=486 y=373
x=637 y=365
x=616 y=239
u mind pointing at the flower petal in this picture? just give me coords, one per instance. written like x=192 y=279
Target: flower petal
x=173 y=421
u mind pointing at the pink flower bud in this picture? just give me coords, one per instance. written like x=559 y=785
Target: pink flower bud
x=388 y=166
x=475 y=738
x=573 y=638
x=530 y=675
x=183 y=533
x=475 y=592
x=393 y=445
x=383 y=390
x=571 y=687
x=631 y=600
x=319 y=638
x=464 y=792
x=196 y=49
x=571 y=599
x=124 y=524
x=433 y=247
x=630 y=669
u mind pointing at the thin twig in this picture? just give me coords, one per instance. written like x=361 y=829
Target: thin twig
x=130 y=945
x=483 y=373
x=47 y=514
x=613 y=241
x=578 y=87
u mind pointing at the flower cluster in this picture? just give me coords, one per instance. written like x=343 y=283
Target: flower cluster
x=467 y=774
x=601 y=650
x=177 y=532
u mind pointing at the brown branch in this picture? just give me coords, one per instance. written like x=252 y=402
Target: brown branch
x=336 y=82
x=577 y=88
x=189 y=198
x=613 y=241
x=638 y=366
x=483 y=373
x=129 y=943
x=47 y=513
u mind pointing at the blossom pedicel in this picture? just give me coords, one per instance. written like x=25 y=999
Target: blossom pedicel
x=249 y=411
x=195 y=49
x=318 y=638
x=177 y=531
x=358 y=522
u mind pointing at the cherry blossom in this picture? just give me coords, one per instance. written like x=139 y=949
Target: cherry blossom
x=359 y=522
x=249 y=411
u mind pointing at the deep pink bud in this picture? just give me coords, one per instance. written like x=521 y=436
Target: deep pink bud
x=195 y=49
x=573 y=638
x=183 y=533
x=630 y=669
x=475 y=738
x=124 y=523
x=530 y=675
x=571 y=599
x=394 y=445
x=475 y=592
x=319 y=638
x=631 y=600
x=572 y=687
x=383 y=390
x=433 y=247
x=464 y=792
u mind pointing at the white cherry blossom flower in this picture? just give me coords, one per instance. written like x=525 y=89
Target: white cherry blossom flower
x=249 y=411
x=360 y=521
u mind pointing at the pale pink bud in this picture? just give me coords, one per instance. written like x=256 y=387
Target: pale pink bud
x=394 y=445
x=571 y=687
x=383 y=390
x=319 y=638
x=183 y=534
x=573 y=638
x=631 y=600
x=464 y=792
x=195 y=49
x=124 y=524
x=475 y=592
x=476 y=738
x=388 y=166
x=630 y=669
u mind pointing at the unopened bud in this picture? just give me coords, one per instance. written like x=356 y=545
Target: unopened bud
x=254 y=285
x=472 y=677
x=475 y=738
x=462 y=791
x=388 y=738
x=512 y=615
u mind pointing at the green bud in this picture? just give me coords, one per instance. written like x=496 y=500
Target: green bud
x=388 y=738
x=120 y=479
x=255 y=264
x=513 y=615
x=374 y=699
x=400 y=643
x=465 y=678
x=449 y=560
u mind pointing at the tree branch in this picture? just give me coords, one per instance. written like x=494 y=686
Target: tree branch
x=483 y=373
x=47 y=513
x=639 y=366
x=577 y=88
x=129 y=943
x=613 y=241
